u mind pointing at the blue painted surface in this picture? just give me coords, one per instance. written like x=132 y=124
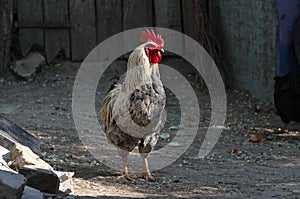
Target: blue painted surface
x=288 y=11
x=287 y=60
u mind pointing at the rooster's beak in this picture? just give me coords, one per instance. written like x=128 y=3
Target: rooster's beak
x=162 y=50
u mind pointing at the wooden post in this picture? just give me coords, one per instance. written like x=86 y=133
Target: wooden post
x=6 y=10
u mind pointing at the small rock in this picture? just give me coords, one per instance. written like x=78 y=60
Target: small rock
x=257 y=108
x=174 y=144
x=234 y=151
x=27 y=67
x=255 y=138
x=21 y=156
x=66 y=183
x=165 y=136
x=11 y=184
x=172 y=128
x=41 y=179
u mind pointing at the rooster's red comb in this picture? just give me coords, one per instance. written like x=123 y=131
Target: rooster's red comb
x=149 y=35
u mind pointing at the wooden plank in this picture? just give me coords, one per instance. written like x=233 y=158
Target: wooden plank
x=109 y=20
x=83 y=33
x=109 y=14
x=30 y=11
x=6 y=11
x=10 y=133
x=188 y=15
x=168 y=14
x=56 y=11
x=214 y=16
x=137 y=13
x=189 y=25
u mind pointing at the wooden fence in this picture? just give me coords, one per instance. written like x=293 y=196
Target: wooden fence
x=77 y=26
x=5 y=33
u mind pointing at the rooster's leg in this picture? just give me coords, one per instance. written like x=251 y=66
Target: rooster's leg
x=125 y=174
x=124 y=155
x=147 y=174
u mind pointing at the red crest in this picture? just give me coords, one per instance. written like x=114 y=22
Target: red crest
x=149 y=35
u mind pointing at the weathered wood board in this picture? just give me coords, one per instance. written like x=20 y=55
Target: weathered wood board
x=188 y=18
x=83 y=32
x=93 y=21
x=6 y=10
x=137 y=13
x=109 y=18
x=30 y=11
x=168 y=14
x=189 y=26
x=56 y=11
x=10 y=133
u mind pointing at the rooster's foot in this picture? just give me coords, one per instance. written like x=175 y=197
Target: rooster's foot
x=150 y=178
x=125 y=176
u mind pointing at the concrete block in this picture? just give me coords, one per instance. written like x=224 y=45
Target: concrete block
x=44 y=180
x=27 y=67
x=11 y=184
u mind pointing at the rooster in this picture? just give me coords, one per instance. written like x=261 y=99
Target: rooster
x=132 y=111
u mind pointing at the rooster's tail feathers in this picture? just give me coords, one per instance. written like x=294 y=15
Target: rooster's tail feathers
x=108 y=104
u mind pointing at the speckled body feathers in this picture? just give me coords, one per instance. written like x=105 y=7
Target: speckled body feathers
x=132 y=111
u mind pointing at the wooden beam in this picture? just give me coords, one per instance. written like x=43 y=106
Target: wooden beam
x=10 y=133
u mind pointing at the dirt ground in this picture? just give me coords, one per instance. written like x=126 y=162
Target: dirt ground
x=268 y=169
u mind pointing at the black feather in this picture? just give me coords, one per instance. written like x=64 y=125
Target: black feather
x=287 y=97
